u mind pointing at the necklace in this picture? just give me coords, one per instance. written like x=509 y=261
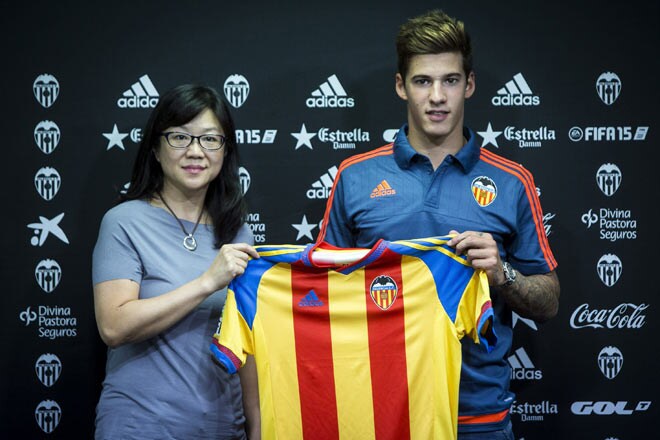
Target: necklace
x=189 y=241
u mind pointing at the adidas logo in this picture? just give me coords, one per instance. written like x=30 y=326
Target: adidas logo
x=142 y=94
x=516 y=93
x=321 y=188
x=330 y=94
x=522 y=367
x=383 y=189
x=310 y=300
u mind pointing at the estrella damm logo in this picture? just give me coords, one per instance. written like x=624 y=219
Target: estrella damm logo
x=484 y=190
x=383 y=291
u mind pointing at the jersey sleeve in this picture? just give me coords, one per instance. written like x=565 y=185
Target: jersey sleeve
x=475 y=312
x=233 y=340
x=529 y=250
x=115 y=255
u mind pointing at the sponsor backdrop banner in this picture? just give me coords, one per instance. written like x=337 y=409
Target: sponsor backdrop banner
x=570 y=92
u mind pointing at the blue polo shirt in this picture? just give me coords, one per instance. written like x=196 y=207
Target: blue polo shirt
x=394 y=193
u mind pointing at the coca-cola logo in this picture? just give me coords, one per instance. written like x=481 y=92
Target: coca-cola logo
x=626 y=315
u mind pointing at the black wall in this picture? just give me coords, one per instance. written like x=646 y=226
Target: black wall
x=285 y=52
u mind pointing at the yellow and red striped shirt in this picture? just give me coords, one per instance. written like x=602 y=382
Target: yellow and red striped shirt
x=366 y=350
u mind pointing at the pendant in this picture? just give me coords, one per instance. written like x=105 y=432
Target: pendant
x=189 y=242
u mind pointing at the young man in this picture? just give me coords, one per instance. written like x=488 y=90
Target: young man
x=435 y=180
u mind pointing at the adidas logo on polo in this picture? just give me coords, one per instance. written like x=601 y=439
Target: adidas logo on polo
x=516 y=93
x=310 y=300
x=522 y=366
x=142 y=94
x=383 y=189
x=321 y=188
x=330 y=94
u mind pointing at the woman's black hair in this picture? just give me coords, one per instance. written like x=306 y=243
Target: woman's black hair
x=224 y=198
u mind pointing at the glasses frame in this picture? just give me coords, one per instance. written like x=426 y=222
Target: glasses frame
x=166 y=135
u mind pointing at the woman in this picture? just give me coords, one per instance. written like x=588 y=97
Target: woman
x=159 y=279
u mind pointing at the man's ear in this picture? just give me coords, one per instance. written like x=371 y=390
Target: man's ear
x=470 y=86
x=400 y=86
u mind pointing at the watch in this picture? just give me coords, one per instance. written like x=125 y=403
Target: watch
x=509 y=274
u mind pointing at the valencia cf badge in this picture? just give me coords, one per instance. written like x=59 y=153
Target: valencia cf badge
x=383 y=291
x=484 y=190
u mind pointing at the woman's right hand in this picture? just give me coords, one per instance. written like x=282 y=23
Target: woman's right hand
x=230 y=262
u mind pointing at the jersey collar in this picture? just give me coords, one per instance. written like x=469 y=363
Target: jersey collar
x=467 y=157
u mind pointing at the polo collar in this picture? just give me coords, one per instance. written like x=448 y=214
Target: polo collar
x=467 y=157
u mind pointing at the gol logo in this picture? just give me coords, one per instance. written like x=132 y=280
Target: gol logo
x=607 y=408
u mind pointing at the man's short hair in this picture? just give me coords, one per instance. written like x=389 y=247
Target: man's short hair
x=432 y=33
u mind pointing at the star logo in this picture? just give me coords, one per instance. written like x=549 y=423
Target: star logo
x=490 y=136
x=304 y=228
x=115 y=138
x=304 y=138
x=516 y=317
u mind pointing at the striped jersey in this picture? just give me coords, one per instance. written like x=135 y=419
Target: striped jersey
x=356 y=349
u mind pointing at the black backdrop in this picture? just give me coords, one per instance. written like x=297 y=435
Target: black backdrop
x=592 y=156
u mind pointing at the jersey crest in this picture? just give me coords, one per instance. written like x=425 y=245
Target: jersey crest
x=383 y=291
x=484 y=190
